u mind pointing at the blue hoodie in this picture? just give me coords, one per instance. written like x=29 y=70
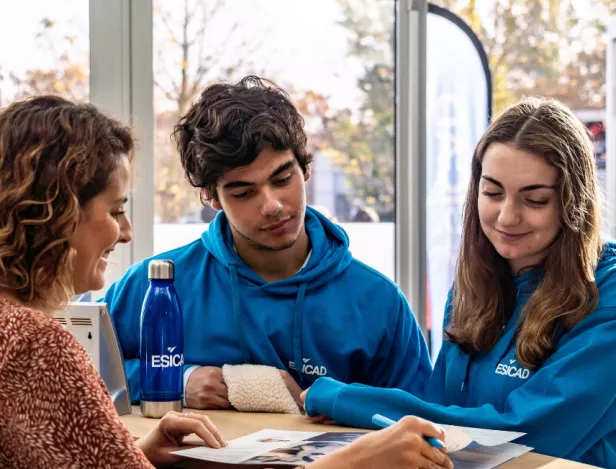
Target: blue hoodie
x=567 y=407
x=336 y=317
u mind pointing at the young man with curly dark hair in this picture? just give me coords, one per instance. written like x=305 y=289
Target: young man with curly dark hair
x=271 y=282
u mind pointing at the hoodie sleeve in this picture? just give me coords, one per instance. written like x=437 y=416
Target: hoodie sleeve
x=563 y=407
x=124 y=300
x=402 y=360
x=435 y=390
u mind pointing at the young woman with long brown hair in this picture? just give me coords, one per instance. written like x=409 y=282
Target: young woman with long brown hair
x=530 y=324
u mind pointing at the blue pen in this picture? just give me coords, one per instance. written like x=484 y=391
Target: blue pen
x=383 y=422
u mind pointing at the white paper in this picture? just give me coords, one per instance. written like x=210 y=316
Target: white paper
x=465 y=436
x=249 y=446
x=468 y=448
x=484 y=437
x=487 y=457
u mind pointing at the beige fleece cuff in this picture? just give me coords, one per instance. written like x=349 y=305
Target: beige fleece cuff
x=258 y=388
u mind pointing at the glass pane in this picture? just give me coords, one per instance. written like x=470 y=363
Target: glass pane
x=337 y=65
x=46 y=49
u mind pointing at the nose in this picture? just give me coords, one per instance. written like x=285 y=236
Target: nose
x=126 y=231
x=271 y=204
x=509 y=214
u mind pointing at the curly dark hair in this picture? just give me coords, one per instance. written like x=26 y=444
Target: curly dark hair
x=230 y=124
x=55 y=156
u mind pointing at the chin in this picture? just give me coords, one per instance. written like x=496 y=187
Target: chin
x=95 y=284
x=282 y=244
x=510 y=254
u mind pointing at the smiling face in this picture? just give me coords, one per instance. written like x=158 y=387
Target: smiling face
x=264 y=202
x=103 y=224
x=518 y=204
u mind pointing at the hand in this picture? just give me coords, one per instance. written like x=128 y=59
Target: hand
x=293 y=388
x=302 y=397
x=400 y=446
x=170 y=432
x=323 y=419
x=206 y=389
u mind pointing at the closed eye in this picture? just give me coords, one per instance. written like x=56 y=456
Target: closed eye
x=491 y=194
x=283 y=181
x=242 y=195
x=537 y=202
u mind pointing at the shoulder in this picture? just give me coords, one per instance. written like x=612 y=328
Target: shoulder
x=183 y=257
x=182 y=253
x=368 y=284
x=24 y=325
x=40 y=340
x=39 y=356
x=187 y=257
x=370 y=277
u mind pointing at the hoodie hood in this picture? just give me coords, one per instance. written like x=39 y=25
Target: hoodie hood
x=330 y=257
x=330 y=254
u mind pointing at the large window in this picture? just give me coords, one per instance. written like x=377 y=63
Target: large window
x=546 y=48
x=45 y=49
x=337 y=65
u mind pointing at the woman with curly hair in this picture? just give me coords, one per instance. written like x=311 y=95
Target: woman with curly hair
x=64 y=180
x=531 y=319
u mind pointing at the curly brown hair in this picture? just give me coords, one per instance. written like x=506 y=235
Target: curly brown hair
x=229 y=125
x=55 y=156
x=483 y=294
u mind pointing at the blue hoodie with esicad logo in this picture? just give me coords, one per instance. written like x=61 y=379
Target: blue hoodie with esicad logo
x=567 y=407
x=336 y=317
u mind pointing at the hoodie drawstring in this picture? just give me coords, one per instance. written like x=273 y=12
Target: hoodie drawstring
x=236 y=313
x=297 y=332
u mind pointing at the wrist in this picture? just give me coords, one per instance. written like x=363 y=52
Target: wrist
x=141 y=443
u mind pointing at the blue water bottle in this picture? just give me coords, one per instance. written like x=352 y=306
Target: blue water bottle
x=162 y=343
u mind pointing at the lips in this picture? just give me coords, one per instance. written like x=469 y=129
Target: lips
x=106 y=254
x=276 y=225
x=512 y=236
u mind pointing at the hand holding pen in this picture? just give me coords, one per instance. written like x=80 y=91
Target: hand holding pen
x=385 y=422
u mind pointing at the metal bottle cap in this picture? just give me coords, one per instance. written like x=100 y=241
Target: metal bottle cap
x=161 y=270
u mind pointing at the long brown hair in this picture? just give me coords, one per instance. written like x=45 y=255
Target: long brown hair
x=483 y=293
x=55 y=156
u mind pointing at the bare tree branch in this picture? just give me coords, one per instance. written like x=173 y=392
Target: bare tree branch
x=168 y=94
x=165 y=21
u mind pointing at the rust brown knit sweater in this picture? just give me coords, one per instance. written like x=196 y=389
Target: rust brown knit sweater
x=55 y=411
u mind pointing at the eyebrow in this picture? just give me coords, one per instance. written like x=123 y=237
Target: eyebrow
x=532 y=187
x=281 y=169
x=122 y=200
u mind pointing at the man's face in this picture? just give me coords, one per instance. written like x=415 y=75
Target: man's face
x=265 y=202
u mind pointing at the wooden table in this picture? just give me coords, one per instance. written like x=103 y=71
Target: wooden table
x=234 y=424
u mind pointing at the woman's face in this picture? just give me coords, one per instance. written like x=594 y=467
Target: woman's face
x=103 y=224
x=518 y=204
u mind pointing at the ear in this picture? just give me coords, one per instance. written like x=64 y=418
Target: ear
x=307 y=173
x=212 y=200
x=215 y=204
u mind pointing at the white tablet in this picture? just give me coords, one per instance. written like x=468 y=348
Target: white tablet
x=91 y=325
